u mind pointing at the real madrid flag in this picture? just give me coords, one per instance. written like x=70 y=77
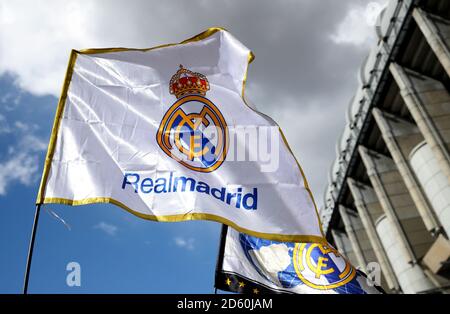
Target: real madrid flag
x=163 y=133
x=252 y=265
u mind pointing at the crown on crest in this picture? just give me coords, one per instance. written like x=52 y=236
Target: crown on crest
x=186 y=82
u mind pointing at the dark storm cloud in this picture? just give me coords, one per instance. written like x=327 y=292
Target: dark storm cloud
x=291 y=39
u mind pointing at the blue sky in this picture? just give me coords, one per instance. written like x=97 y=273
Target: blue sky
x=311 y=48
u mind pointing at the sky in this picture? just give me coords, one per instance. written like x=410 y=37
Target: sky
x=308 y=54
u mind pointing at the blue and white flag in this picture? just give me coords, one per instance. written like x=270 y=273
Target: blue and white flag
x=256 y=266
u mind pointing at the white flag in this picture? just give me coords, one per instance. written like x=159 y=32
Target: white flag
x=166 y=134
x=252 y=265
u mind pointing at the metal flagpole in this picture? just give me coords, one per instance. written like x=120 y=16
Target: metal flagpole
x=223 y=235
x=31 y=247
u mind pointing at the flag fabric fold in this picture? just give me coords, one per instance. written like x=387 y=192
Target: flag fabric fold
x=155 y=131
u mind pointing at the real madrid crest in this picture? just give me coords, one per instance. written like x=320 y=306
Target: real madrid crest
x=321 y=266
x=193 y=131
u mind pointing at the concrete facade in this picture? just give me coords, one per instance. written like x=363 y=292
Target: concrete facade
x=388 y=199
x=411 y=277
x=369 y=210
x=433 y=181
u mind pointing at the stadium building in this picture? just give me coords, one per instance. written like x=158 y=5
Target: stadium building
x=388 y=197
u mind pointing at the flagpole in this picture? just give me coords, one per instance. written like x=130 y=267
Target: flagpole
x=219 y=263
x=30 y=248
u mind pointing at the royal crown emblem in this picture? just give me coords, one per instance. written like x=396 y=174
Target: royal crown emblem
x=186 y=82
x=193 y=131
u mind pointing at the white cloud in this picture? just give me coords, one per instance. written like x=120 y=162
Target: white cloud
x=22 y=167
x=10 y=101
x=22 y=162
x=36 y=37
x=107 y=228
x=10 y=97
x=4 y=125
x=187 y=244
x=27 y=128
x=357 y=28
